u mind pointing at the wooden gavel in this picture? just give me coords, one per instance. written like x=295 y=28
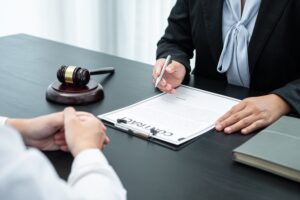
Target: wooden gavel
x=77 y=76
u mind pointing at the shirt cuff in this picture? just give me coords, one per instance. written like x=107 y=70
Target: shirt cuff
x=3 y=120
x=87 y=157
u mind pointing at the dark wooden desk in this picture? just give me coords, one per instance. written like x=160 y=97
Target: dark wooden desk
x=202 y=170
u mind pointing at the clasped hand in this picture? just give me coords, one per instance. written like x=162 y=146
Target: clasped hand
x=68 y=131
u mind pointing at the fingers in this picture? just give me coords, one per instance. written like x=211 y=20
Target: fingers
x=61 y=144
x=166 y=84
x=64 y=148
x=172 y=78
x=106 y=140
x=83 y=130
x=254 y=126
x=157 y=68
x=166 y=87
x=60 y=141
x=232 y=111
x=246 y=126
x=238 y=114
x=241 y=124
x=163 y=84
x=81 y=113
x=250 y=114
x=69 y=116
x=236 y=119
x=103 y=126
x=59 y=135
x=171 y=68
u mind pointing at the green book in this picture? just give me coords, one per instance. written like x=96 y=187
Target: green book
x=275 y=149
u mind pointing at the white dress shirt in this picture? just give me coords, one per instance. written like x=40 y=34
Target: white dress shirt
x=25 y=173
x=2 y=120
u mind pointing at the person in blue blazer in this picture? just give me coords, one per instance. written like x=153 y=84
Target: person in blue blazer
x=248 y=43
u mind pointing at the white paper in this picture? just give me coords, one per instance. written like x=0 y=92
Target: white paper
x=177 y=117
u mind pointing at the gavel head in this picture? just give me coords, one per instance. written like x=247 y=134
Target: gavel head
x=72 y=75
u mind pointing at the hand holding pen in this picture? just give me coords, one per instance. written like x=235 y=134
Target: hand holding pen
x=168 y=74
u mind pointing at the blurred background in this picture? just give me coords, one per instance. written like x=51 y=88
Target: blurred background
x=125 y=28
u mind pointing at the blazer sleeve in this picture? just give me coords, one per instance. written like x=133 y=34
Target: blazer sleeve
x=291 y=94
x=177 y=40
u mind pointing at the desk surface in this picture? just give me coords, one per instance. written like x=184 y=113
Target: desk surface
x=203 y=170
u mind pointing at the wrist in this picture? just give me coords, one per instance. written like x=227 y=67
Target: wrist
x=80 y=148
x=283 y=106
x=19 y=124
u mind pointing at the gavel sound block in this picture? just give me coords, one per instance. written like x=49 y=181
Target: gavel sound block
x=75 y=87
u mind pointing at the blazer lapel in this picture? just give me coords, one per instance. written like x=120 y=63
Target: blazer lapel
x=212 y=14
x=268 y=16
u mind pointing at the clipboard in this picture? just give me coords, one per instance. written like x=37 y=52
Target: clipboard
x=171 y=120
x=151 y=139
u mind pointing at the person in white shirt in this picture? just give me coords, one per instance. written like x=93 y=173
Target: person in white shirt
x=25 y=173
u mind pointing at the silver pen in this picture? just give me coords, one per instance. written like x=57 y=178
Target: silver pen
x=168 y=60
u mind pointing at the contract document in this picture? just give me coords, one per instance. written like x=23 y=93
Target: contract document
x=172 y=118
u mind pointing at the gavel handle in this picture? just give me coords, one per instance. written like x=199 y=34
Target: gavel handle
x=102 y=71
